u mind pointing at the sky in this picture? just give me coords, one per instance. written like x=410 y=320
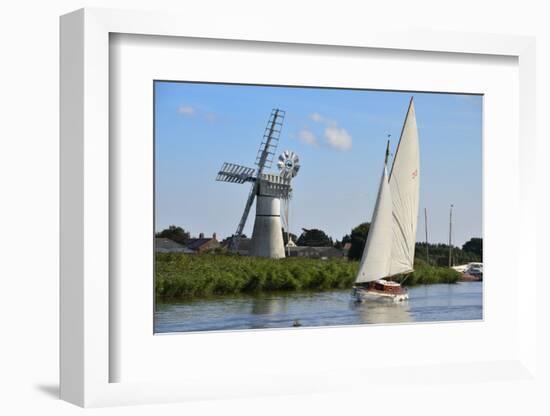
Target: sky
x=340 y=136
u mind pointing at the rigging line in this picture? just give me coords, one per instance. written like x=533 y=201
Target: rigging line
x=406 y=277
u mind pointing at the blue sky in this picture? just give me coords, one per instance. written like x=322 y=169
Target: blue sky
x=340 y=136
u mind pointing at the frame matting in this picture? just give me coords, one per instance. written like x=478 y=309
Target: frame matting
x=86 y=358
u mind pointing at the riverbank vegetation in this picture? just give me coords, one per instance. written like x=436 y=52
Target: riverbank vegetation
x=426 y=274
x=438 y=254
x=352 y=245
x=181 y=276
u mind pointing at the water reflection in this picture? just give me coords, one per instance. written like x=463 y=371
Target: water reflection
x=383 y=312
x=441 y=302
x=268 y=306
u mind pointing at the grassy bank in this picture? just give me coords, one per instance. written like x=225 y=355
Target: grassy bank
x=180 y=276
x=425 y=274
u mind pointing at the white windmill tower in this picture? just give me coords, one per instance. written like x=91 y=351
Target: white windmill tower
x=269 y=189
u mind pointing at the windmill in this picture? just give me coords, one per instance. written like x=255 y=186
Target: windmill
x=269 y=189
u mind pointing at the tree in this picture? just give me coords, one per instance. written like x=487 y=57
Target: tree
x=474 y=245
x=177 y=234
x=314 y=238
x=358 y=239
x=346 y=239
x=439 y=254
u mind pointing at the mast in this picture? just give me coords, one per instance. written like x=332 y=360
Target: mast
x=426 y=227
x=450 y=236
x=288 y=228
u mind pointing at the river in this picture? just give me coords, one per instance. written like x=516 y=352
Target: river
x=427 y=303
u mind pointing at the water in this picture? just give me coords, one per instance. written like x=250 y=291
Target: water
x=427 y=303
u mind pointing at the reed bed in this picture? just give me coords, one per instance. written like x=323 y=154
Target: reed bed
x=182 y=276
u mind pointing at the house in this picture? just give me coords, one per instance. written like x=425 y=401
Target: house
x=165 y=245
x=315 y=252
x=243 y=247
x=202 y=244
x=346 y=249
x=291 y=250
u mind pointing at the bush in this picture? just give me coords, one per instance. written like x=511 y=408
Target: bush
x=181 y=276
x=425 y=274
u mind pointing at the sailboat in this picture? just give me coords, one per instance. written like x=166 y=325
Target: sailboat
x=389 y=249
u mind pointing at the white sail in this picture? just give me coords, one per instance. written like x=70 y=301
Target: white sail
x=404 y=184
x=375 y=262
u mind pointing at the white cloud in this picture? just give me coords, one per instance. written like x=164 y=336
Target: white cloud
x=187 y=110
x=307 y=137
x=211 y=117
x=334 y=135
x=338 y=138
x=318 y=118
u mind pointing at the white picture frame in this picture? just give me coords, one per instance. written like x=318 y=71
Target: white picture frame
x=86 y=305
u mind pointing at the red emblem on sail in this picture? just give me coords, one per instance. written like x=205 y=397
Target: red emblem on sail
x=414 y=174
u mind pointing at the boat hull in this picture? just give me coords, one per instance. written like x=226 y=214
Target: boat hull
x=380 y=291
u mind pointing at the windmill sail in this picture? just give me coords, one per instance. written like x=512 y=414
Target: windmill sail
x=376 y=260
x=263 y=160
x=404 y=184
